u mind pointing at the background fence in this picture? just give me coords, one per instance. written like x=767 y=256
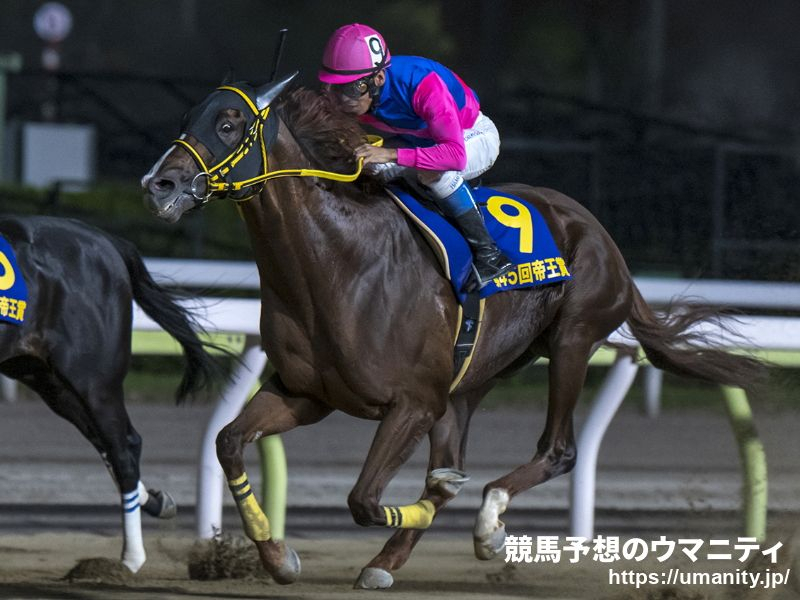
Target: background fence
x=687 y=204
x=675 y=124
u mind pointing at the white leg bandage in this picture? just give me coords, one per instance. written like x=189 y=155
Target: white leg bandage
x=143 y=494
x=133 y=555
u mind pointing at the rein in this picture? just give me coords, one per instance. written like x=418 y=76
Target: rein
x=215 y=176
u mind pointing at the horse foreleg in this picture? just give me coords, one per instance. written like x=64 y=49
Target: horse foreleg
x=446 y=476
x=397 y=436
x=271 y=411
x=555 y=452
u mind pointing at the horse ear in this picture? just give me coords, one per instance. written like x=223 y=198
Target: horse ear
x=269 y=91
x=230 y=77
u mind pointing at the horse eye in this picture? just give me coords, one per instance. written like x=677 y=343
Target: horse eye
x=226 y=127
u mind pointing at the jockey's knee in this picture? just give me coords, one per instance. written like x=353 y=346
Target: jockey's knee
x=441 y=183
x=429 y=178
x=365 y=511
x=387 y=172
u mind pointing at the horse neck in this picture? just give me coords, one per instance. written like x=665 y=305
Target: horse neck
x=300 y=233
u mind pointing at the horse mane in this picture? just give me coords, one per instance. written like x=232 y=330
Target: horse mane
x=326 y=135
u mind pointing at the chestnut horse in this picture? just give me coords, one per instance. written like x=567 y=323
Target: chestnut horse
x=72 y=344
x=357 y=315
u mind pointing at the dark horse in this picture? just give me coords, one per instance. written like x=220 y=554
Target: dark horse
x=357 y=316
x=73 y=347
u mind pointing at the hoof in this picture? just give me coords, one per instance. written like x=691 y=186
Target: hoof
x=447 y=481
x=160 y=505
x=372 y=578
x=133 y=561
x=489 y=535
x=486 y=548
x=289 y=570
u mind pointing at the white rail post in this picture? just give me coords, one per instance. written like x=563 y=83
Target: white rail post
x=653 y=383
x=210 y=478
x=608 y=399
x=9 y=389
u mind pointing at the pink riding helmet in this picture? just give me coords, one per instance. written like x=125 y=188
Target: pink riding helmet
x=352 y=52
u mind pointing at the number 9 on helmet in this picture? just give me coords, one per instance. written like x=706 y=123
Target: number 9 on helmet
x=353 y=52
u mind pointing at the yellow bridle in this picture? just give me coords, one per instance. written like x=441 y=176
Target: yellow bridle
x=215 y=183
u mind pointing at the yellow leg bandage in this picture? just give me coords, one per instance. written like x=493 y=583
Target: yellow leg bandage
x=255 y=522
x=413 y=516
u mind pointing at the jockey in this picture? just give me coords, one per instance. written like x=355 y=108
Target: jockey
x=443 y=137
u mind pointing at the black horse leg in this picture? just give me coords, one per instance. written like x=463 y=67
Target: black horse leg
x=156 y=503
x=104 y=422
x=66 y=404
x=122 y=445
x=108 y=430
x=555 y=452
x=61 y=399
x=271 y=411
x=448 y=441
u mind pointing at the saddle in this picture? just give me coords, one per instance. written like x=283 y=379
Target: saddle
x=520 y=232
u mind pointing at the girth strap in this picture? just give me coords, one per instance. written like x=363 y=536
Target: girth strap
x=470 y=315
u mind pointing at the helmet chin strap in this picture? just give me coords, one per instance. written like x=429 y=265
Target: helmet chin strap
x=374 y=90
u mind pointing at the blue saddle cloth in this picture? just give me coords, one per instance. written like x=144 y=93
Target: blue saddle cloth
x=516 y=225
x=13 y=291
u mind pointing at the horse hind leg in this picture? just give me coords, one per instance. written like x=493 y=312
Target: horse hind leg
x=156 y=503
x=120 y=448
x=109 y=430
x=446 y=476
x=121 y=454
x=555 y=452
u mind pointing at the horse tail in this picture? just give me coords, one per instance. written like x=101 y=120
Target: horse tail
x=669 y=344
x=201 y=371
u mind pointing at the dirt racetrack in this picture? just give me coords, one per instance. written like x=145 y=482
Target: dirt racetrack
x=34 y=566
x=675 y=476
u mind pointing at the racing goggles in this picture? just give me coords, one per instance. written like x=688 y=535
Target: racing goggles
x=353 y=89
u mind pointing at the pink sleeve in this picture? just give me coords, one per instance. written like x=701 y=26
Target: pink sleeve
x=434 y=103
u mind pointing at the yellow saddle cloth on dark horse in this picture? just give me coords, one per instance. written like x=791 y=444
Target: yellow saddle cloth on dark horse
x=13 y=292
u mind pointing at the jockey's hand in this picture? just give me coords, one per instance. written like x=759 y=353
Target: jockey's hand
x=375 y=155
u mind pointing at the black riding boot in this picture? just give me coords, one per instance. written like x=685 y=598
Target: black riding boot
x=489 y=260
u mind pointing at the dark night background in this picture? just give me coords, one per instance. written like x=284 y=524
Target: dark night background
x=676 y=122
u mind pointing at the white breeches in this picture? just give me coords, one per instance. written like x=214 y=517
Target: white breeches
x=482 y=144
